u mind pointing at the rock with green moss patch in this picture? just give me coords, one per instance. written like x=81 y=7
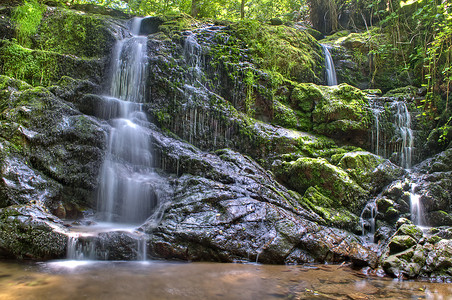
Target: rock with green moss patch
x=411 y=230
x=305 y=96
x=330 y=211
x=76 y=33
x=50 y=142
x=343 y=114
x=30 y=232
x=332 y=181
x=400 y=243
x=41 y=67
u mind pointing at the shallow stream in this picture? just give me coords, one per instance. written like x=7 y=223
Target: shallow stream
x=165 y=280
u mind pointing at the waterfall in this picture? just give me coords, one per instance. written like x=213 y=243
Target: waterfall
x=403 y=125
x=367 y=220
x=393 y=137
x=376 y=134
x=416 y=210
x=391 y=132
x=77 y=250
x=329 y=66
x=126 y=190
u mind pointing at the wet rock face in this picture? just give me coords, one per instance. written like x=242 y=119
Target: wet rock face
x=227 y=208
x=50 y=151
x=31 y=232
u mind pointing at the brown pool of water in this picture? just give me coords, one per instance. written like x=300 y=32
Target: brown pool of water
x=165 y=280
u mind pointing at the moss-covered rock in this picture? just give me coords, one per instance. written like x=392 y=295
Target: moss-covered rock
x=63 y=42
x=330 y=211
x=46 y=141
x=42 y=67
x=32 y=233
x=343 y=114
x=305 y=96
x=368 y=170
x=331 y=181
x=75 y=33
x=286 y=50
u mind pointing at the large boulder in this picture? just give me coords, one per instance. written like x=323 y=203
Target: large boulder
x=29 y=231
x=55 y=149
x=343 y=114
x=225 y=207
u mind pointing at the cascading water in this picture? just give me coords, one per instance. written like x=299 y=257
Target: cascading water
x=403 y=125
x=392 y=137
x=367 y=220
x=329 y=66
x=401 y=139
x=376 y=135
x=416 y=209
x=128 y=190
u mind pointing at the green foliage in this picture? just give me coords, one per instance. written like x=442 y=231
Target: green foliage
x=434 y=22
x=219 y=9
x=27 y=17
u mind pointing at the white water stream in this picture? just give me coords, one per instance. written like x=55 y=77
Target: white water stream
x=128 y=190
x=397 y=145
x=329 y=66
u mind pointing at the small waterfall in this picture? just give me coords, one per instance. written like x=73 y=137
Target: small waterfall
x=403 y=125
x=77 y=250
x=376 y=134
x=126 y=190
x=130 y=191
x=192 y=53
x=391 y=132
x=142 y=248
x=329 y=66
x=416 y=209
x=367 y=220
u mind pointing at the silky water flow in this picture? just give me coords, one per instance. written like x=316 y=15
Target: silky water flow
x=128 y=186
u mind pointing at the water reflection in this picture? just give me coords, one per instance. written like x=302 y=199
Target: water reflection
x=164 y=280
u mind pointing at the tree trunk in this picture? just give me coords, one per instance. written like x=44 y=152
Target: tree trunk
x=242 y=9
x=195 y=8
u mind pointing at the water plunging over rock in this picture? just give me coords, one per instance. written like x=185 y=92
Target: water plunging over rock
x=392 y=134
x=329 y=66
x=127 y=191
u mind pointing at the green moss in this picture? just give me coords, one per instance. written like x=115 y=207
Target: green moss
x=27 y=18
x=334 y=37
x=401 y=243
x=35 y=67
x=285 y=50
x=318 y=199
x=284 y=116
x=410 y=230
x=305 y=95
x=403 y=92
x=359 y=165
x=330 y=210
x=317 y=146
x=173 y=24
x=329 y=180
x=75 y=33
x=343 y=109
x=434 y=239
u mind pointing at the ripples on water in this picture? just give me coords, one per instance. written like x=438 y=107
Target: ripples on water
x=164 y=280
